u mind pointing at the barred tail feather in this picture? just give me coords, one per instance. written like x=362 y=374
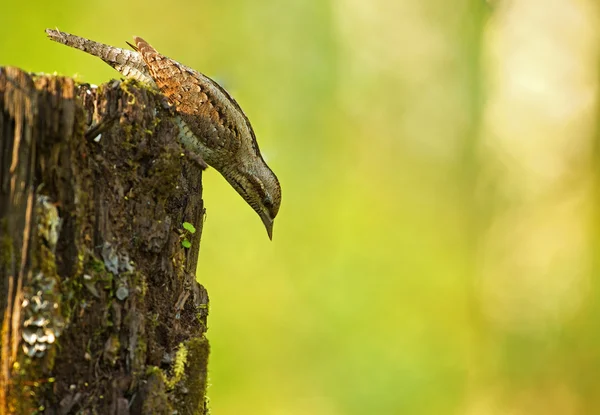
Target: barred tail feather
x=127 y=62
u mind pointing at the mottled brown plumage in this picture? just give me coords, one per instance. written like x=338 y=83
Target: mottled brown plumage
x=212 y=124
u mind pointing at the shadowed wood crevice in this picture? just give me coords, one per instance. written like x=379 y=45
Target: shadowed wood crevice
x=100 y=308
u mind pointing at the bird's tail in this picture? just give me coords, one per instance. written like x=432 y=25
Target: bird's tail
x=128 y=62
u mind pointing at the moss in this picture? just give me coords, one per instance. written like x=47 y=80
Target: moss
x=80 y=264
x=145 y=86
x=131 y=99
x=140 y=350
x=178 y=366
x=201 y=317
x=191 y=390
x=128 y=131
x=188 y=380
x=111 y=350
x=137 y=280
x=163 y=173
x=96 y=265
x=154 y=396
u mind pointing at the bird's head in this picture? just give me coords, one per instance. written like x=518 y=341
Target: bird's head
x=259 y=187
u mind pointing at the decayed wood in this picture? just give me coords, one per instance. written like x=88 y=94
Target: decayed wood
x=101 y=312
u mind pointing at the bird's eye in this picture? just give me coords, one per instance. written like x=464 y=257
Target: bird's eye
x=268 y=202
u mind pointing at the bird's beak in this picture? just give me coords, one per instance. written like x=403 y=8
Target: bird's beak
x=268 y=224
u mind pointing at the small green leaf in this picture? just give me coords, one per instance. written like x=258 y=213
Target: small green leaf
x=186 y=244
x=189 y=227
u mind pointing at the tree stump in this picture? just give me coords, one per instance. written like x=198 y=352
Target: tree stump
x=101 y=311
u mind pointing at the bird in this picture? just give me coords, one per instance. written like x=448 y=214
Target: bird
x=212 y=126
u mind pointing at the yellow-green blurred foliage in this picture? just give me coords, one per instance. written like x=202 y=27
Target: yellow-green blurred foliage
x=435 y=252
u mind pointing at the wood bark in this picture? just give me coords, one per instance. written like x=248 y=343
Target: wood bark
x=100 y=309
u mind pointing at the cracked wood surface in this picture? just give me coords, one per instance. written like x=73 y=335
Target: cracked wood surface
x=99 y=300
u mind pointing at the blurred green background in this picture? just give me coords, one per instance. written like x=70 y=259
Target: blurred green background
x=436 y=248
